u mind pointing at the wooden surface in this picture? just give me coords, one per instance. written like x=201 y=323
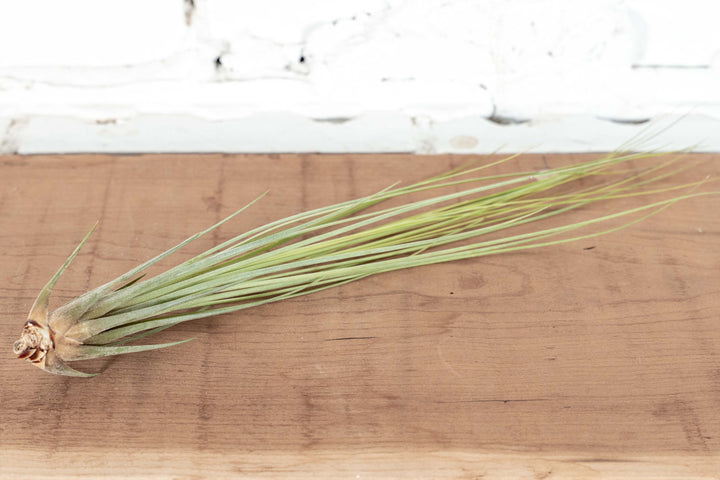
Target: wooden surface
x=595 y=359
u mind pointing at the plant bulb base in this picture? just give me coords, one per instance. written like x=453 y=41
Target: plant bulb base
x=34 y=343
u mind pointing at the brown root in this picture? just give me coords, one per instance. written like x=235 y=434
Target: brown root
x=34 y=343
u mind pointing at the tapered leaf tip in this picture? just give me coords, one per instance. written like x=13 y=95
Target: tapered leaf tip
x=39 y=310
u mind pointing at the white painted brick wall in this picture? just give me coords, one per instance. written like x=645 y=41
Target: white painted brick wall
x=357 y=75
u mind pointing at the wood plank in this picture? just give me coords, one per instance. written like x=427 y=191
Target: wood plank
x=593 y=359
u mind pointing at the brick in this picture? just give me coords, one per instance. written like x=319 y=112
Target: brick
x=71 y=33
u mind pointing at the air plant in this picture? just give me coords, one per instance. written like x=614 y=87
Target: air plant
x=465 y=215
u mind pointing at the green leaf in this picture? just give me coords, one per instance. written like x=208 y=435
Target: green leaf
x=87 y=352
x=39 y=310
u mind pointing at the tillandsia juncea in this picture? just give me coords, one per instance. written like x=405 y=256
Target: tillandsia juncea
x=460 y=214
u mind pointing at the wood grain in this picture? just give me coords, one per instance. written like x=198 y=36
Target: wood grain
x=593 y=359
